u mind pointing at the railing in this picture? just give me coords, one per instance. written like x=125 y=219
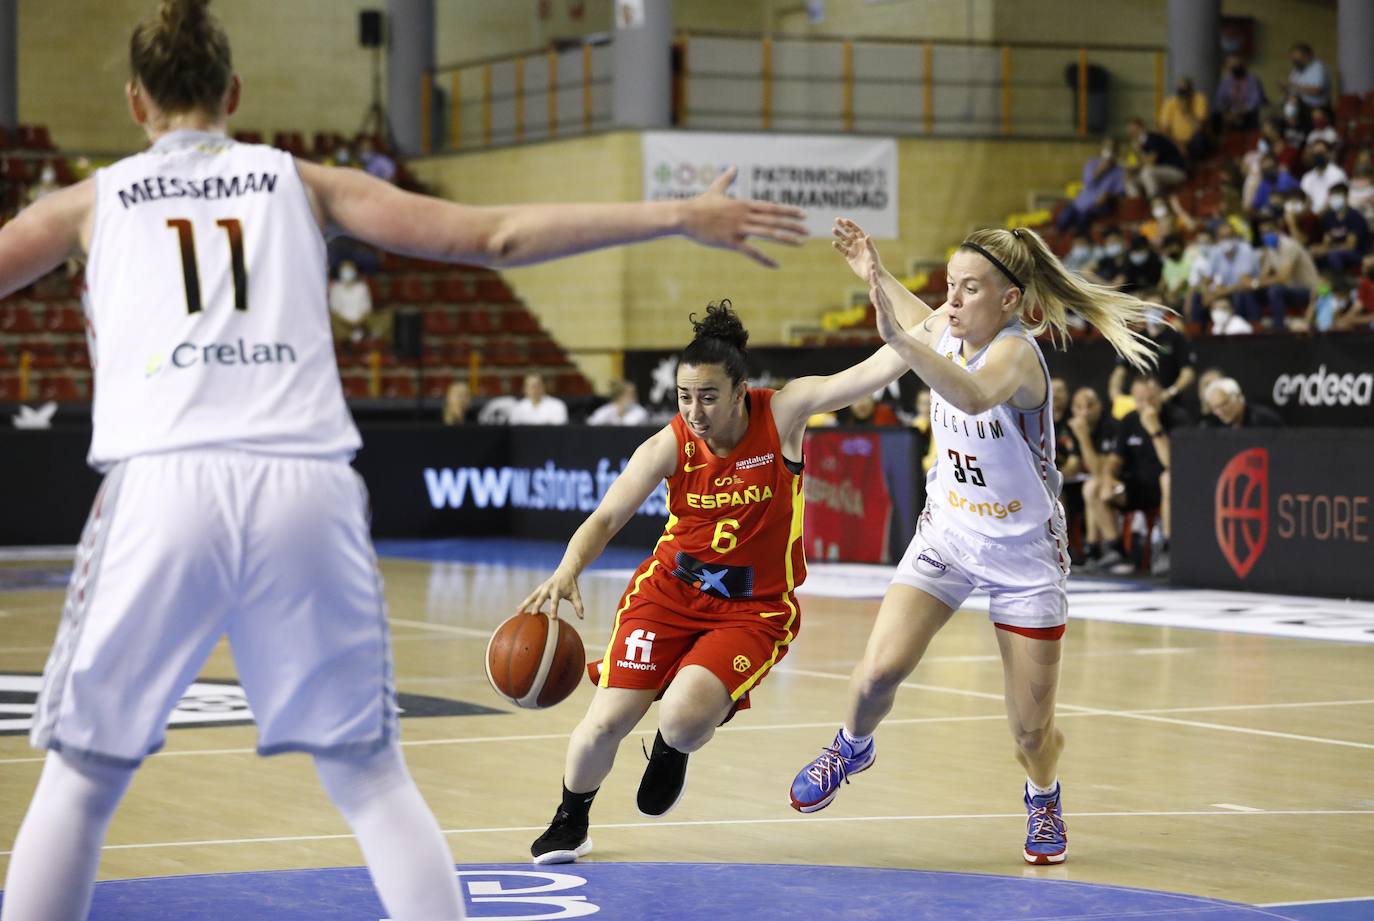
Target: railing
x=876 y=85
x=511 y=99
x=748 y=82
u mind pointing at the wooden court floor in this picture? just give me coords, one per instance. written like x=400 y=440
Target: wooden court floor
x=1224 y=765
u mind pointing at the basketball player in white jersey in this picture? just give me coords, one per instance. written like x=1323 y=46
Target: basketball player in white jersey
x=992 y=519
x=228 y=504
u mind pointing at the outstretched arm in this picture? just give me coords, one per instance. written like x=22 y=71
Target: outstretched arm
x=44 y=234
x=652 y=461
x=858 y=250
x=508 y=235
x=1011 y=364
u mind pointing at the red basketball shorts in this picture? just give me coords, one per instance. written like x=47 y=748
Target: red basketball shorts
x=663 y=624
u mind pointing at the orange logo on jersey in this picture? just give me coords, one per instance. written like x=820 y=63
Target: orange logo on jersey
x=984 y=509
x=742 y=664
x=723 y=499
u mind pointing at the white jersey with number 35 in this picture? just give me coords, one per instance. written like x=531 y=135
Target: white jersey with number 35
x=994 y=473
x=208 y=308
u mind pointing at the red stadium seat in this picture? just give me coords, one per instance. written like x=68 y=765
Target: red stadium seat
x=455 y=289
x=411 y=289
x=439 y=322
x=17 y=318
x=9 y=389
x=517 y=319
x=398 y=386
x=60 y=387
x=493 y=290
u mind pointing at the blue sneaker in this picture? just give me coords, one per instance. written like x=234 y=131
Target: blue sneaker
x=819 y=781
x=1047 y=840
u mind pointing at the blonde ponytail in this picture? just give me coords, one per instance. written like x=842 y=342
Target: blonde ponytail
x=1052 y=291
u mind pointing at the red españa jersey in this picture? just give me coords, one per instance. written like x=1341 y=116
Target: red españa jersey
x=735 y=523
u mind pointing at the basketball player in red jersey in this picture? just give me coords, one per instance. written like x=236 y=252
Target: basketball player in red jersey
x=712 y=609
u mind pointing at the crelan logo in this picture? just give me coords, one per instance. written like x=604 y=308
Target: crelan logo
x=1242 y=509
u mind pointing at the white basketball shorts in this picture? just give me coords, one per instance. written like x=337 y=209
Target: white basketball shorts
x=185 y=547
x=1026 y=579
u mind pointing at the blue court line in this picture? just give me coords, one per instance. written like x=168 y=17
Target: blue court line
x=1359 y=909
x=671 y=892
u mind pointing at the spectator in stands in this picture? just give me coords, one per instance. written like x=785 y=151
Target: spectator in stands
x=1334 y=309
x=1104 y=181
x=538 y=407
x=1183 y=120
x=921 y=423
x=1362 y=184
x=1345 y=234
x=868 y=411
x=1175 y=270
x=1110 y=259
x=1323 y=131
x=350 y=307
x=1167 y=215
x=1091 y=435
x=1080 y=255
x=1160 y=166
x=1298 y=220
x=1136 y=476
x=1204 y=380
x=1309 y=79
x=47 y=183
x=1274 y=141
x=1318 y=181
x=458 y=407
x=1227 y=408
x=1287 y=274
x=1225 y=322
x=1233 y=268
x=1059 y=408
x=622 y=408
x=1141 y=269
x=1271 y=178
x=1174 y=360
x=340 y=156
x=376 y=162
x=1239 y=97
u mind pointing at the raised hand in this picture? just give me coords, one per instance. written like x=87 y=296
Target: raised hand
x=557 y=588
x=856 y=247
x=714 y=219
x=888 y=327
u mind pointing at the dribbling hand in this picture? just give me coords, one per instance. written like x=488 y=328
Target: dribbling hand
x=558 y=588
x=714 y=219
x=856 y=247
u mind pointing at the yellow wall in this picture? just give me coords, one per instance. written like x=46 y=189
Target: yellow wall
x=301 y=66
x=639 y=297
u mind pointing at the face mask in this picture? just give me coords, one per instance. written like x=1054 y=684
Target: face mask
x=1294 y=207
x=1320 y=161
x=341 y=157
x=1290 y=110
x=1228 y=247
x=1237 y=71
x=1185 y=91
x=1079 y=250
x=348 y=273
x=49 y=176
x=1271 y=240
x=1337 y=202
x=1176 y=254
x=1340 y=303
x=1139 y=256
x=1107 y=152
x=1270 y=175
x=1160 y=212
x=1264 y=146
x=1219 y=316
x=1112 y=249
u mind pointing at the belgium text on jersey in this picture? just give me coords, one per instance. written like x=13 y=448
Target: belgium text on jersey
x=154 y=188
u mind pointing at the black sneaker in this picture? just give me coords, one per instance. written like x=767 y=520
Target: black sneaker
x=665 y=777
x=564 y=842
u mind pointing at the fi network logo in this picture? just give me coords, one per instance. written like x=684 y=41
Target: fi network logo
x=639 y=645
x=1242 y=509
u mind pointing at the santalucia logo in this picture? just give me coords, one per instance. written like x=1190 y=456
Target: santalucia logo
x=1322 y=389
x=544 y=488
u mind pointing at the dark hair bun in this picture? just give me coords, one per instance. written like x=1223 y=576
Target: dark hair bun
x=720 y=323
x=176 y=16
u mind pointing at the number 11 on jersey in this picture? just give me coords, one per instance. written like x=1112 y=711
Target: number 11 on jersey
x=186 y=238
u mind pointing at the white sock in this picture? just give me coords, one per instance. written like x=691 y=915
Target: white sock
x=858 y=743
x=410 y=861
x=57 y=852
x=1033 y=790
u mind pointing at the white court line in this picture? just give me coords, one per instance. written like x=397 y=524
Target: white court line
x=1353 y=898
x=1234 y=808
x=443 y=628
x=1064 y=709
x=789 y=820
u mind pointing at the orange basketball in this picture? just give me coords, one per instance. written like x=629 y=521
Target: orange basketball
x=533 y=666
